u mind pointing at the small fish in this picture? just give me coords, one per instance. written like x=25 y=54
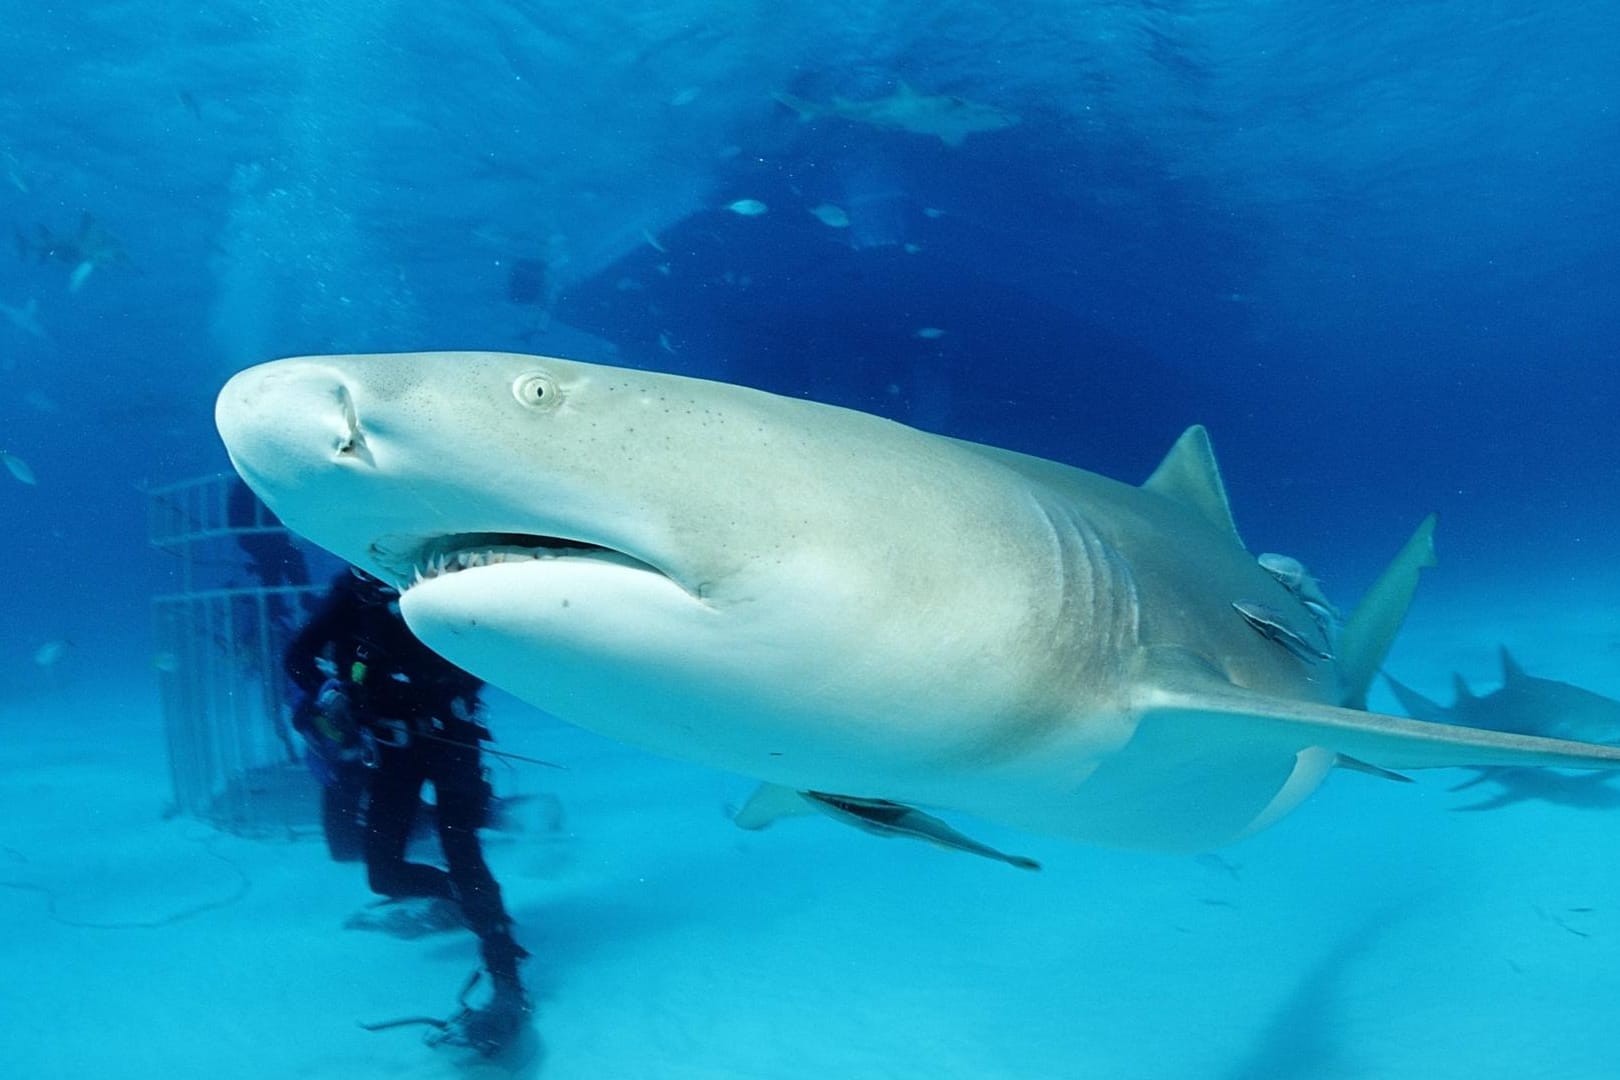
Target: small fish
x=1212 y=861
x=832 y=216
x=18 y=467
x=1285 y=568
x=166 y=662
x=652 y=242
x=929 y=333
x=1292 y=575
x=51 y=653
x=747 y=207
x=91 y=246
x=1561 y=924
x=14 y=173
x=685 y=97
x=25 y=318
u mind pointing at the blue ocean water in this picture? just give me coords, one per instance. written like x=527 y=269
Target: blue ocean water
x=1372 y=247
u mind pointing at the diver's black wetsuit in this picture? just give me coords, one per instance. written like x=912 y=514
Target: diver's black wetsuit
x=420 y=710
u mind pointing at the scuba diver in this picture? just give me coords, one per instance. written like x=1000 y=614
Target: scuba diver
x=383 y=707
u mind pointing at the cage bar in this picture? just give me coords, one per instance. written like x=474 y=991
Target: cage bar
x=242 y=586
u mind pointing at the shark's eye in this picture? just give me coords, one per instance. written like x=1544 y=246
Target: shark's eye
x=536 y=390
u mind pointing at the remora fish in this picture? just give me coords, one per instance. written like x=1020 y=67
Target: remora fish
x=835 y=603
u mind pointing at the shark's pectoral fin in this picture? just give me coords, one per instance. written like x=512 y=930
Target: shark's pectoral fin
x=1388 y=742
x=884 y=818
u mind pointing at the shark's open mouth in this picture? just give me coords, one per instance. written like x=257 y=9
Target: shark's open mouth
x=464 y=551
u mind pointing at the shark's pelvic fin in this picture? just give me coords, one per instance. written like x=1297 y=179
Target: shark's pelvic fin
x=1371 y=629
x=768 y=804
x=1189 y=475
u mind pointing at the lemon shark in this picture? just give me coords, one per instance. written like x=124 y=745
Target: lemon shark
x=886 y=622
x=1524 y=704
x=1528 y=705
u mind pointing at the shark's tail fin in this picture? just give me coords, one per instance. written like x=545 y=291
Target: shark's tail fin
x=1372 y=626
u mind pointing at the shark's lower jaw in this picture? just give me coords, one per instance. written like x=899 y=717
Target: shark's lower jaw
x=459 y=552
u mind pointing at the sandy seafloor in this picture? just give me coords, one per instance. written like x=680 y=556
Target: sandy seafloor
x=1375 y=933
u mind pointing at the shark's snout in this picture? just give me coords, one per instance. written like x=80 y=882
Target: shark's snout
x=279 y=420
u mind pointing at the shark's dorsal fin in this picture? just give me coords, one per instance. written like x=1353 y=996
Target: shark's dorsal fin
x=1460 y=688
x=1416 y=705
x=1370 y=631
x=1188 y=474
x=1511 y=671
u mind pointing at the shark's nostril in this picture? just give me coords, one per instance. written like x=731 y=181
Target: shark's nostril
x=353 y=443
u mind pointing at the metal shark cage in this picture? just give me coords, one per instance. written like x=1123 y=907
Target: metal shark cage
x=243 y=588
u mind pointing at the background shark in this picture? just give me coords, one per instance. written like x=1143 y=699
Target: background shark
x=1528 y=705
x=836 y=603
x=1523 y=704
x=947 y=118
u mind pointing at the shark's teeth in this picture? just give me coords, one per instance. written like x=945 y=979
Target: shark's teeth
x=438 y=564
